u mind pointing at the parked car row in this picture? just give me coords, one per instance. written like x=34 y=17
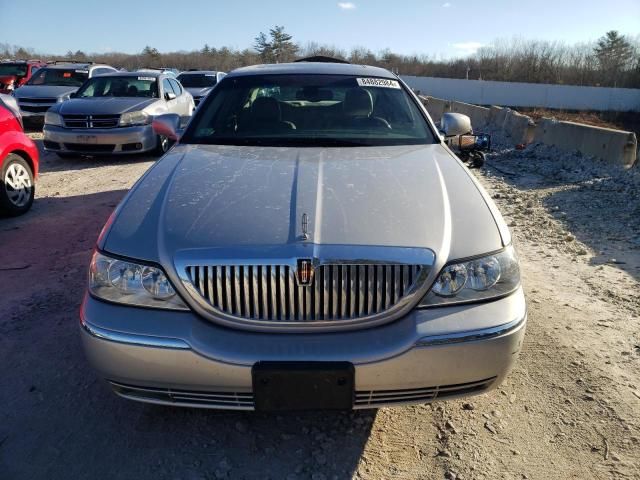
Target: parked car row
x=112 y=114
x=89 y=108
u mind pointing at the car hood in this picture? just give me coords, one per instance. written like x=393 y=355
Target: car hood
x=43 y=91
x=104 y=105
x=199 y=92
x=222 y=198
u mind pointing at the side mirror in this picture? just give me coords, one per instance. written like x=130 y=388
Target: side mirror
x=73 y=95
x=453 y=124
x=167 y=125
x=169 y=96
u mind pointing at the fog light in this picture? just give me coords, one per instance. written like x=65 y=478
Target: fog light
x=138 y=146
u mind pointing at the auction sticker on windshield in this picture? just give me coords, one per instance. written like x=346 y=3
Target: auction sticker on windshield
x=148 y=79
x=378 y=82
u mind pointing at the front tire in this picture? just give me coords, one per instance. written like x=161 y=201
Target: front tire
x=162 y=146
x=17 y=188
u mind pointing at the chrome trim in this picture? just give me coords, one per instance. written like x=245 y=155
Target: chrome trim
x=312 y=314
x=472 y=335
x=134 y=339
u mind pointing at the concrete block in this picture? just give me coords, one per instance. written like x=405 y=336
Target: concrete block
x=518 y=127
x=497 y=116
x=479 y=115
x=614 y=146
x=436 y=107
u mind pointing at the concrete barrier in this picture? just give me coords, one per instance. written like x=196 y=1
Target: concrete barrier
x=436 y=107
x=479 y=115
x=520 y=128
x=613 y=146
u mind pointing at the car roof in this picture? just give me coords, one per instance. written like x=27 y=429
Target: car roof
x=69 y=65
x=317 y=68
x=198 y=72
x=145 y=73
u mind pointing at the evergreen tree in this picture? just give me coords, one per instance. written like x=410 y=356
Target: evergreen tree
x=614 y=54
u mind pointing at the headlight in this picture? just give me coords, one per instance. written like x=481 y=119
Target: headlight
x=481 y=278
x=52 y=118
x=135 y=118
x=122 y=281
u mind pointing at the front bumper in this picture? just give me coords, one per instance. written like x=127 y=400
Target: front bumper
x=91 y=141
x=178 y=358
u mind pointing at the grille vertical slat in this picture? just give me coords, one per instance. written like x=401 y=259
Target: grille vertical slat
x=335 y=291
x=344 y=291
x=210 y=277
x=237 y=290
x=283 y=292
x=271 y=292
x=257 y=304
x=292 y=294
x=246 y=286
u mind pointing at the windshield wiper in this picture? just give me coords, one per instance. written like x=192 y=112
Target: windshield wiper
x=282 y=142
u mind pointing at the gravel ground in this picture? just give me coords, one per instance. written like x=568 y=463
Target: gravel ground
x=570 y=408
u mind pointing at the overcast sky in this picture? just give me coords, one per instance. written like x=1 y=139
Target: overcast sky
x=437 y=28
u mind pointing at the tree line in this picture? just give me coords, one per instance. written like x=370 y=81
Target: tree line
x=613 y=60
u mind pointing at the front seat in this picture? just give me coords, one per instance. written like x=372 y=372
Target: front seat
x=357 y=108
x=266 y=115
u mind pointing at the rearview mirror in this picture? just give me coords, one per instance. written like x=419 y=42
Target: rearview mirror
x=455 y=124
x=169 y=96
x=167 y=125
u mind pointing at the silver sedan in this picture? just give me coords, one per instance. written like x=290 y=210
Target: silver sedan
x=112 y=114
x=310 y=242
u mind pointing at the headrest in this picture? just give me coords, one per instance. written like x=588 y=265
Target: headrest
x=358 y=103
x=265 y=109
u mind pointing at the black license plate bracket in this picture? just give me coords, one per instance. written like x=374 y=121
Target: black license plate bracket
x=282 y=386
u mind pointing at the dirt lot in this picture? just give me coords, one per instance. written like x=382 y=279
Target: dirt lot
x=570 y=408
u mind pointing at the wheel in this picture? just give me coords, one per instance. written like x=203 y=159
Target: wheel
x=477 y=160
x=162 y=145
x=17 y=188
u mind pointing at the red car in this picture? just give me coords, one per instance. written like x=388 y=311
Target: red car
x=19 y=161
x=14 y=74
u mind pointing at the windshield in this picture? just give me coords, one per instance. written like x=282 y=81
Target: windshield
x=197 y=80
x=118 y=86
x=309 y=110
x=59 y=77
x=17 y=69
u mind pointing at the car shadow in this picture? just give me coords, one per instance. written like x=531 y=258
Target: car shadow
x=60 y=420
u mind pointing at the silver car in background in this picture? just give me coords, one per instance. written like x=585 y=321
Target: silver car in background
x=310 y=242
x=112 y=114
x=54 y=84
x=200 y=82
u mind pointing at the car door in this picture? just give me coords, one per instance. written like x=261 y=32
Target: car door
x=170 y=98
x=184 y=104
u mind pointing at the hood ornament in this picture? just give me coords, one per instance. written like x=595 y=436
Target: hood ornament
x=305 y=226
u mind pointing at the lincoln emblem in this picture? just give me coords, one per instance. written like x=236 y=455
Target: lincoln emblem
x=305 y=273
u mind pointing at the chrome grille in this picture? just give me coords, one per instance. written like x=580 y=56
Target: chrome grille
x=270 y=293
x=49 y=101
x=91 y=121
